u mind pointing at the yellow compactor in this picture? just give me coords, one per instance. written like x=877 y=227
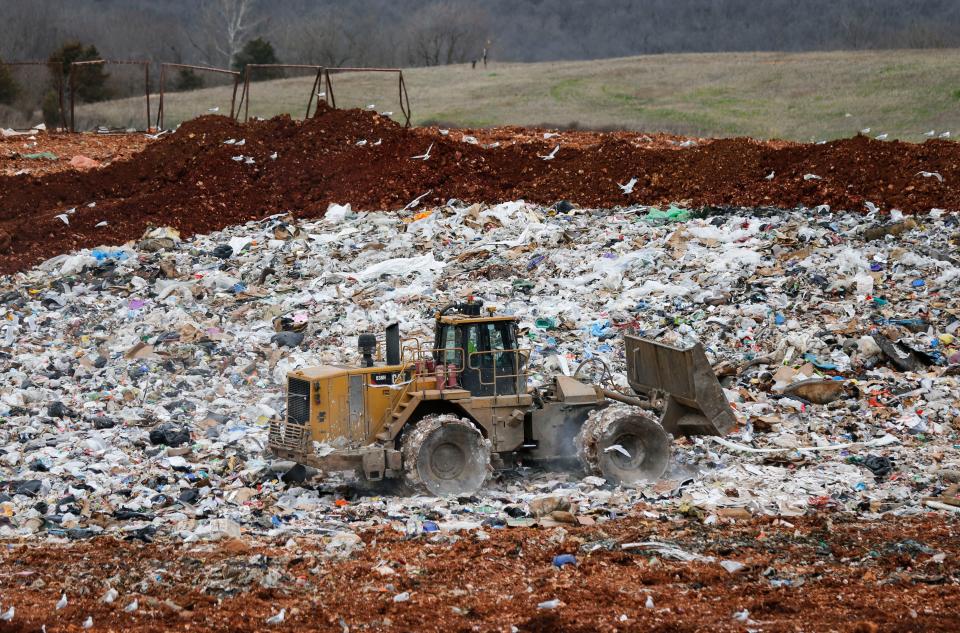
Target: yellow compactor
x=442 y=417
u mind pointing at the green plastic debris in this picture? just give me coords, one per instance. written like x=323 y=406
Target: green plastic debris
x=546 y=323
x=523 y=285
x=42 y=155
x=673 y=214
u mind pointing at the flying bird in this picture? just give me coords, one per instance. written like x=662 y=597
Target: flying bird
x=551 y=155
x=63 y=218
x=425 y=155
x=214 y=109
x=130 y=608
x=628 y=188
x=278 y=618
x=931 y=174
x=62 y=602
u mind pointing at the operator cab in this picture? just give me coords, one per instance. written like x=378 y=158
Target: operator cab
x=482 y=349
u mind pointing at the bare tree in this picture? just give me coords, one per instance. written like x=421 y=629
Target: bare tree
x=444 y=33
x=224 y=27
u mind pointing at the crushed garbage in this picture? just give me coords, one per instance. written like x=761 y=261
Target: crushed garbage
x=139 y=380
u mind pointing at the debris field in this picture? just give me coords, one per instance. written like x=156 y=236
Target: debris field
x=141 y=361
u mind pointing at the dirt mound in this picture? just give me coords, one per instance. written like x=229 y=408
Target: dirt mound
x=196 y=182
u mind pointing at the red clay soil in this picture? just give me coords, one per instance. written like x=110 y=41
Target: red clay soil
x=818 y=573
x=103 y=148
x=189 y=180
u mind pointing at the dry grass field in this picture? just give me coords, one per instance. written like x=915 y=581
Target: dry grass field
x=802 y=96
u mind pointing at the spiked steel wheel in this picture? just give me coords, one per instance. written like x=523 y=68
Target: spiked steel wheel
x=623 y=445
x=445 y=455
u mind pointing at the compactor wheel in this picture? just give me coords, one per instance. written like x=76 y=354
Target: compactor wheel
x=623 y=445
x=446 y=455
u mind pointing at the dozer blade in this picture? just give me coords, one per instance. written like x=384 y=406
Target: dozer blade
x=696 y=404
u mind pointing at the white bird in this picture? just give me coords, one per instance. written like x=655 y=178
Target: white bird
x=278 y=618
x=130 y=608
x=551 y=155
x=649 y=603
x=230 y=141
x=7 y=615
x=865 y=130
x=688 y=143
x=872 y=208
x=62 y=602
x=273 y=156
x=470 y=139
x=88 y=623
x=550 y=135
x=882 y=137
x=110 y=596
x=931 y=174
x=249 y=160
x=362 y=142
x=63 y=217
x=811 y=177
x=770 y=175
x=425 y=155
x=237 y=158
x=214 y=109
x=386 y=113
x=945 y=135
x=930 y=134
x=321 y=94
x=619 y=449
x=242 y=141
x=413 y=203
x=549 y=604
x=378 y=142
x=628 y=188
x=372 y=106
x=741 y=616
x=100 y=224
x=91 y=205
x=847 y=115
x=443 y=132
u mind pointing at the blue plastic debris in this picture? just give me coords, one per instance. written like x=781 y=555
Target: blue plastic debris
x=779 y=319
x=430 y=526
x=564 y=559
x=918 y=283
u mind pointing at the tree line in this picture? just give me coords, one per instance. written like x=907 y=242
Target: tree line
x=431 y=32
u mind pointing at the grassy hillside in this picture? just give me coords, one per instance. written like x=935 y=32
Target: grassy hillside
x=804 y=96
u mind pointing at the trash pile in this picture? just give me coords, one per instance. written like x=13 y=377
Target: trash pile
x=138 y=380
x=214 y=172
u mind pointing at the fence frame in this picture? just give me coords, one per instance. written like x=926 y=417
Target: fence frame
x=401 y=86
x=49 y=64
x=245 y=95
x=91 y=62
x=163 y=74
